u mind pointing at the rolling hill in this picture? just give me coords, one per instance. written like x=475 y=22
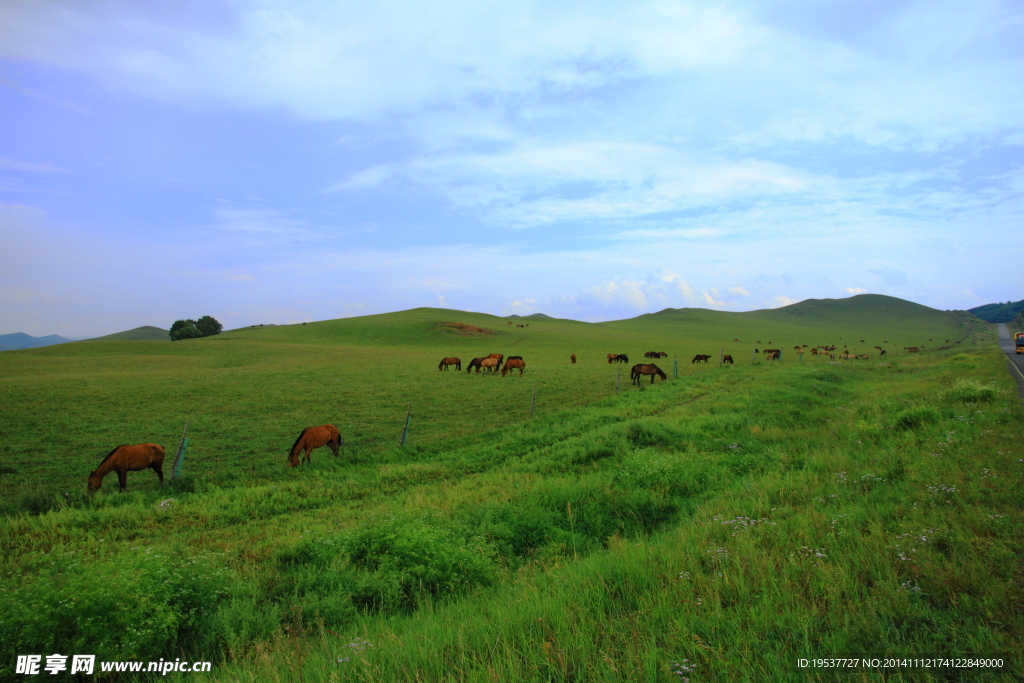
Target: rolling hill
x=144 y=333
x=20 y=340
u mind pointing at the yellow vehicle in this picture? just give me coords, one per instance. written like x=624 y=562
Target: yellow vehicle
x=1019 y=341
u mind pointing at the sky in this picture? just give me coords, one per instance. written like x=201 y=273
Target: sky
x=278 y=161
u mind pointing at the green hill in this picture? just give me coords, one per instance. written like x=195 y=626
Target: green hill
x=999 y=313
x=144 y=333
x=879 y=320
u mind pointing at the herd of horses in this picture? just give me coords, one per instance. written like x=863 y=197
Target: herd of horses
x=491 y=363
x=133 y=458
x=125 y=459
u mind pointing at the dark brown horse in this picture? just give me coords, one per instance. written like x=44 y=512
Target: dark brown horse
x=652 y=354
x=457 y=362
x=700 y=358
x=652 y=370
x=475 y=363
x=572 y=358
x=315 y=437
x=727 y=359
x=125 y=459
x=512 y=364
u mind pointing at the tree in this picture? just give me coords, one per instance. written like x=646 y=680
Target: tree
x=208 y=326
x=193 y=329
x=187 y=333
x=180 y=325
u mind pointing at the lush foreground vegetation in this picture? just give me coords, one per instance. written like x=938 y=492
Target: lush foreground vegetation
x=716 y=527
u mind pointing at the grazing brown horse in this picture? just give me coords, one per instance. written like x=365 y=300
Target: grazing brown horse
x=475 y=363
x=315 y=437
x=700 y=358
x=612 y=357
x=727 y=359
x=652 y=370
x=572 y=358
x=457 y=362
x=512 y=364
x=621 y=358
x=125 y=459
x=651 y=354
x=489 y=364
x=499 y=356
x=774 y=354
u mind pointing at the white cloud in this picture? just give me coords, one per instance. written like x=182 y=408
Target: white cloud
x=30 y=166
x=738 y=291
x=781 y=300
x=710 y=300
x=854 y=290
x=586 y=181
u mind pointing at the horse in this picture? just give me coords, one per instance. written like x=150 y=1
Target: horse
x=512 y=364
x=499 y=356
x=621 y=358
x=652 y=354
x=700 y=358
x=475 y=363
x=572 y=358
x=457 y=362
x=774 y=355
x=662 y=354
x=489 y=364
x=315 y=437
x=642 y=369
x=727 y=359
x=125 y=459
x=612 y=357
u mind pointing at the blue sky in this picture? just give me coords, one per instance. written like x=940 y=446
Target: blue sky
x=278 y=161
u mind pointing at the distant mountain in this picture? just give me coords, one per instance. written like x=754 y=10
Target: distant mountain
x=532 y=315
x=144 y=333
x=20 y=340
x=999 y=313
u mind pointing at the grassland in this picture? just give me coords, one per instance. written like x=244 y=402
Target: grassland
x=736 y=517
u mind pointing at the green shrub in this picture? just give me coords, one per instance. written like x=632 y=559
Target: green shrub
x=970 y=391
x=917 y=416
x=675 y=474
x=401 y=557
x=145 y=604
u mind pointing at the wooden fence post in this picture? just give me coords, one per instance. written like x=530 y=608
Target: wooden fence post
x=618 y=374
x=533 y=403
x=180 y=458
x=675 y=368
x=408 y=417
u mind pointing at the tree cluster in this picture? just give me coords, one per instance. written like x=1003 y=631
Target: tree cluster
x=192 y=329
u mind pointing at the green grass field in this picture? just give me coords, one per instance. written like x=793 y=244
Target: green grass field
x=736 y=518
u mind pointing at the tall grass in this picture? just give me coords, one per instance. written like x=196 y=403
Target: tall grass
x=716 y=527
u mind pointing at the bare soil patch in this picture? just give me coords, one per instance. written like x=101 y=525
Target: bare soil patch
x=465 y=329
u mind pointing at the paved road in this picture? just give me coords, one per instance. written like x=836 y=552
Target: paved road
x=1006 y=344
